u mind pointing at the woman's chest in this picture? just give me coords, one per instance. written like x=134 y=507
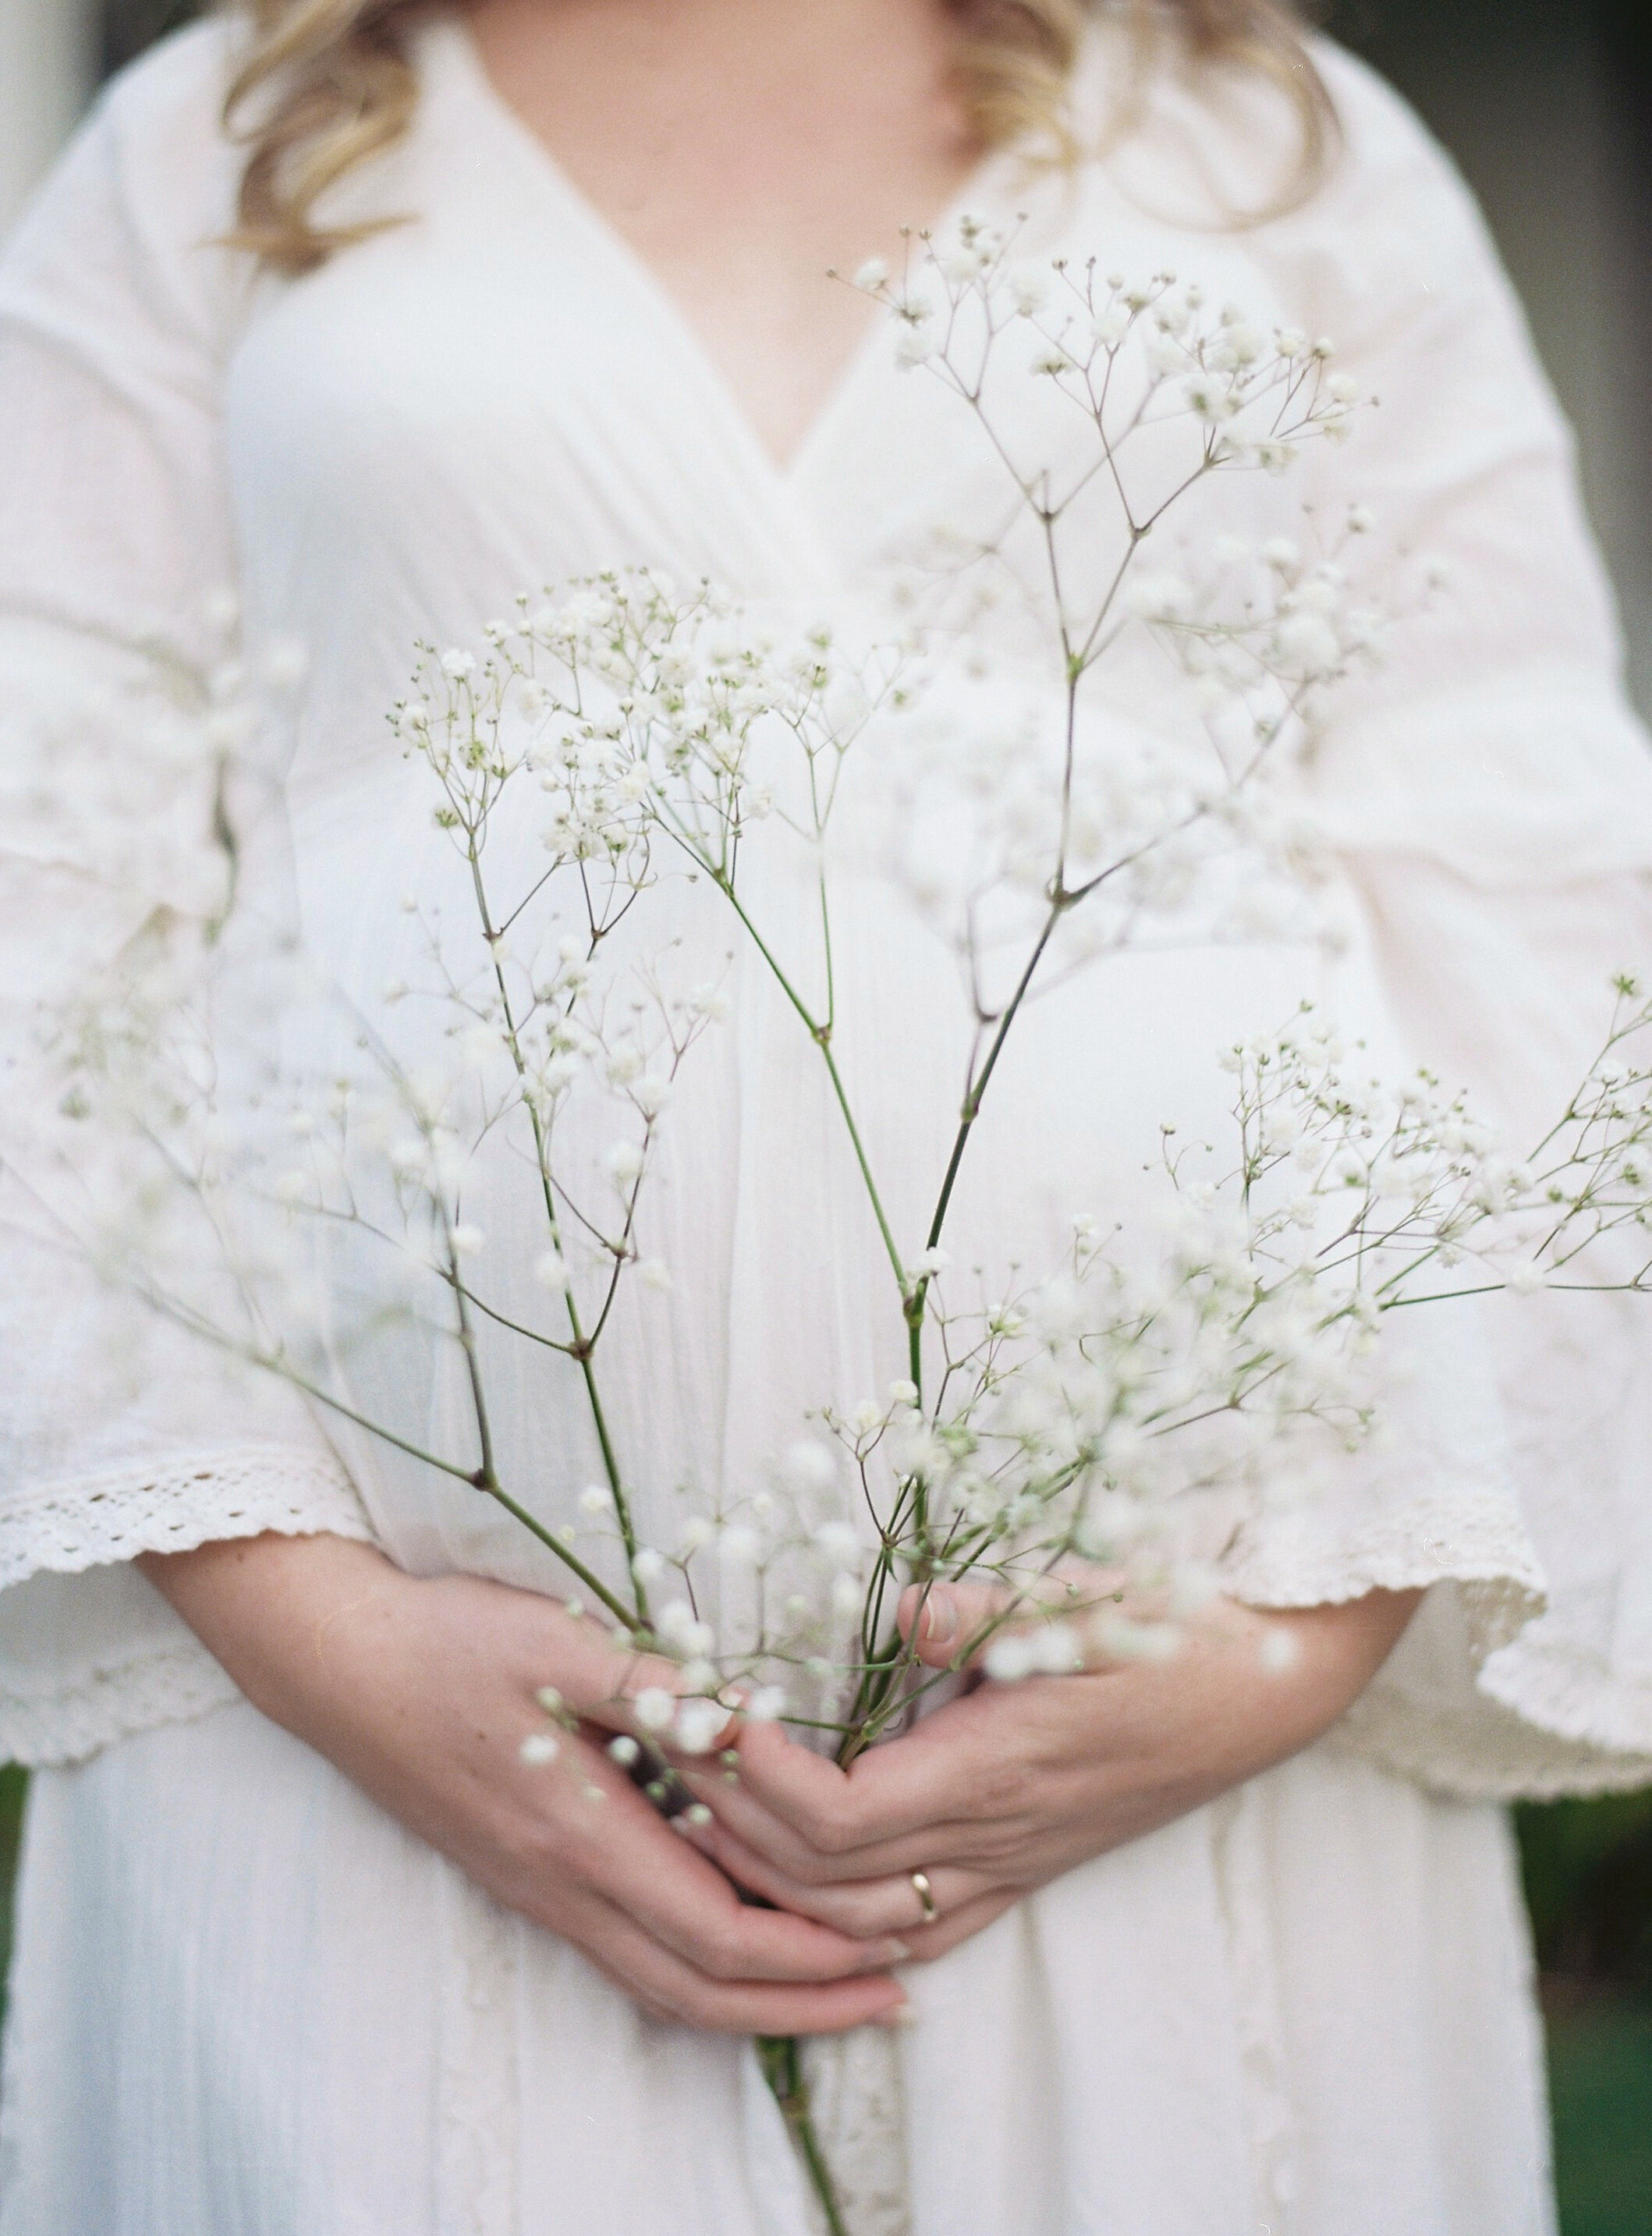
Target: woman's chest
x=499 y=394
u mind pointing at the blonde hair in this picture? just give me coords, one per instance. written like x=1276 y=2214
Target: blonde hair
x=326 y=84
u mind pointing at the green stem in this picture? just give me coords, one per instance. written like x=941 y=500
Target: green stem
x=477 y=1479
x=862 y=1160
x=978 y=1086
x=821 y=1034
x=593 y=1584
x=581 y=1344
x=781 y=2057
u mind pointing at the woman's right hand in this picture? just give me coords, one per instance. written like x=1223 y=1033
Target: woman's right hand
x=421 y=1692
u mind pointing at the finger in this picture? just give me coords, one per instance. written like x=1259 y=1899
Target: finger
x=956 y=1625
x=602 y=1678
x=669 y=1988
x=818 y=1829
x=965 y=1846
x=866 y=1908
x=886 y=1813
x=791 y=1805
x=962 y=1923
x=621 y=1850
x=947 y=1624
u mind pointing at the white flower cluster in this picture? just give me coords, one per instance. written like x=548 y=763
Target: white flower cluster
x=1093 y=1423
x=621 y=735
x=1123 y=352
x=1393 y=1188
x=1167 y=832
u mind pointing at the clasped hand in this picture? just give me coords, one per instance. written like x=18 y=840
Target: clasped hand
x=1010 y=1785
x=422 y=1691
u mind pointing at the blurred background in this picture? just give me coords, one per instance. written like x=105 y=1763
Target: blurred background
x=1547 y=106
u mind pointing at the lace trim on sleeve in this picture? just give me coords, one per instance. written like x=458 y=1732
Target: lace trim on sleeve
x=92 y=1654
x=1476 y=1543
x=1485 y=1699
x=1486 y=1750
x=165 y=1683
x=173 y=1505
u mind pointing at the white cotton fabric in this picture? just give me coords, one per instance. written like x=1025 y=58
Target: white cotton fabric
x=245 y=2003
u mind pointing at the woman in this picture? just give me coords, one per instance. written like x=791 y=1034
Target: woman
x=304 y=1944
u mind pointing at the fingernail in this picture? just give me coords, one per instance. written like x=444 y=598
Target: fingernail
x=941 y=1619
x=898 y=1950
x=898 y=2015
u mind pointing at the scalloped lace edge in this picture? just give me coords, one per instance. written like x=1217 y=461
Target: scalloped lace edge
x=1502 y=1585
x=1541 y=1723
x=1543 y=1719
x=170 y=1683
x=94 y=1520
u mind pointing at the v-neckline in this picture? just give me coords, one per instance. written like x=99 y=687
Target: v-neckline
x=660 y=302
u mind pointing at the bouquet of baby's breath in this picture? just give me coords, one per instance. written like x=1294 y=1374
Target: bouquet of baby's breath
x=624 y=737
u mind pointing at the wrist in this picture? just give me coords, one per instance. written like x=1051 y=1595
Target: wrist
x=1295 y=1671
x=295 y=1620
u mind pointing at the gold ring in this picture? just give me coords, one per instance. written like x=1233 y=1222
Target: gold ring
x=925 y=1895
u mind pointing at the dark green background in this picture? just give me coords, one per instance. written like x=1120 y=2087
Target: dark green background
x=1548 y=107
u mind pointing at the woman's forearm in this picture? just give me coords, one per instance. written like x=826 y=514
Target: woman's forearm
x=291 y=1619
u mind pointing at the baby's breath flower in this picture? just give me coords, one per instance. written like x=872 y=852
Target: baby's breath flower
x=807 y=1467
x=624 y=1164
x=681 y=1629
x=837 y=1543
x=655 y=1708
x=1030 y=287
x=1160 y=597
x=1009 y=1657
x=846 y=1593
x=698 y=1724
x=916 y=343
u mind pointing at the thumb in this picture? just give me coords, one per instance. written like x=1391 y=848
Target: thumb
x=950 y=1624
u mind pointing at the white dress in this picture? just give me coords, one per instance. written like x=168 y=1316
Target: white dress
x=245 y=2003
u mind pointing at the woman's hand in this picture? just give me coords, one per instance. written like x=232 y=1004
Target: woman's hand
x=998 y=1792
x=422 y=1693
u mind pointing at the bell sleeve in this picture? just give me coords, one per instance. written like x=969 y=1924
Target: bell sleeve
x=118 y=1435
x=1489 y=794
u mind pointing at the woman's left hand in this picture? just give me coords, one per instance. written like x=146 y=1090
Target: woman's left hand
x=1004 y=1788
